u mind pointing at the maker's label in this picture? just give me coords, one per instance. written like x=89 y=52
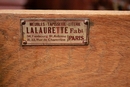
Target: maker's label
x=54 y=31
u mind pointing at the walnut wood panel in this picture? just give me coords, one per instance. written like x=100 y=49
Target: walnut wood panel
x=105 y=62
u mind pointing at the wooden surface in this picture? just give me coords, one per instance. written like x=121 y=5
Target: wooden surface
x=105 y=62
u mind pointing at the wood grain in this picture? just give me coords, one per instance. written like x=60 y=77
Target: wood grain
x=103 y=63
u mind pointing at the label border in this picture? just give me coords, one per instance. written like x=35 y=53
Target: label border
x=56 y=19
